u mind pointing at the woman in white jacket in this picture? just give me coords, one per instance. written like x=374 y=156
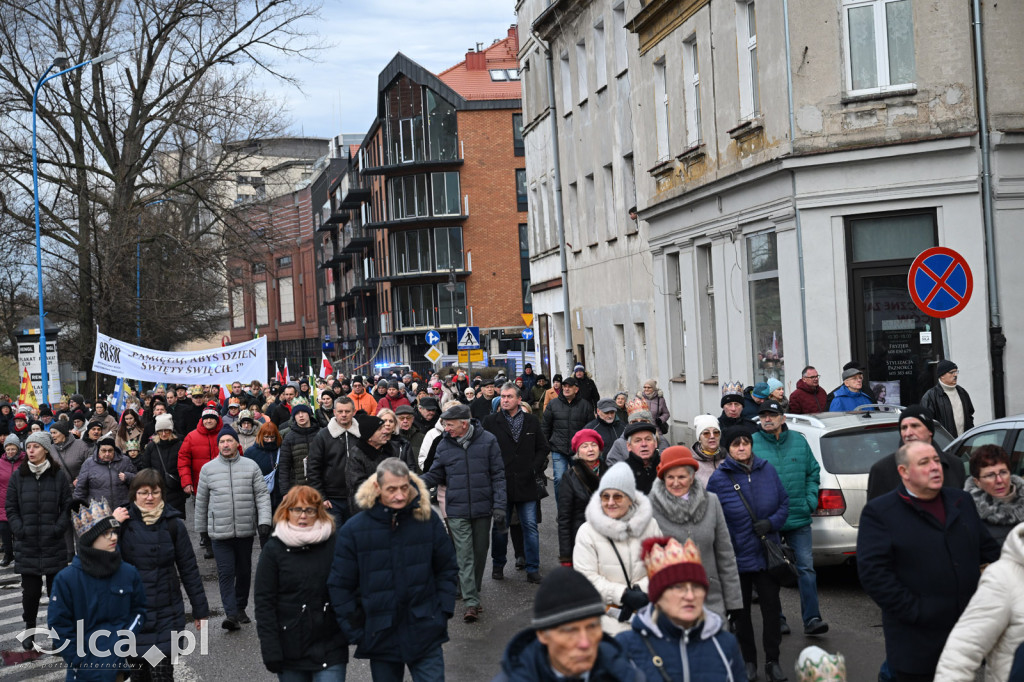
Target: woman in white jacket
x=608 y=546
x=992 y=626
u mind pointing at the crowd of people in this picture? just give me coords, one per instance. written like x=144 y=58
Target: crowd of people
x=663 y=548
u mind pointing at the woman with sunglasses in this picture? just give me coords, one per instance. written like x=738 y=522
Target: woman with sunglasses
x=608 y=547
x=155 y=541
x=299 y=635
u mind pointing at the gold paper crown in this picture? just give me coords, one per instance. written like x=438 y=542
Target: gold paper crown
x=88 y=516
x=635 y=405
x=661 y=556
x=733 y=388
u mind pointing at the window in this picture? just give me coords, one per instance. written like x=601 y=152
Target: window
x=237 y=308
x=448 y=248
x=566 y=74
x=285 y=300
x=765 y=306
x=445 y=187
x=499 y=75
x=408 y=196
x=581 y=71
x=619 y=29
x=451 y=309
x=259 y=268
x=610 y=217
x=524 y=266
x=600 y=63
x=708 y=331
x=691 y=83
x=587 y=210
x=414 y=305
x=442 y=128
x=518 y=147
x=573 y=228
x=404 y=111
x=746 y=44
x=674 y=285
x=260 y=299
x=410 y=251
x=284 y=262
x=879 y=39
x=629 y=190
x=661 y=108
x=521 y=197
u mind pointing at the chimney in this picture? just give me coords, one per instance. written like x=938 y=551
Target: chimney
x=513 y=33
x=476 y=60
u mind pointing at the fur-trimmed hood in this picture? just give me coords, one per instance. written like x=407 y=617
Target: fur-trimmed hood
x=632 y=524
x=368 y=495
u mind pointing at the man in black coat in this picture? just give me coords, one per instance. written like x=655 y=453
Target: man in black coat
x=607 y=424
x=563 y=417
x=327 y=459
x=481 y=405
x=948 y=401
x=524 y=451
x=916 y=424
x=188 y=413
x=919 y=552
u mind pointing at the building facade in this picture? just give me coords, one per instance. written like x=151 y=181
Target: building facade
x=607 y=260
x=791 y=172
x=429 y=216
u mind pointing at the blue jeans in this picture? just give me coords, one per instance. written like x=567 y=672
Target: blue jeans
x=430 y=668
x=234 y=572
x=559 y=463
x=339 y=510
x=800 y=540
x=531 y=538
x=336 y=673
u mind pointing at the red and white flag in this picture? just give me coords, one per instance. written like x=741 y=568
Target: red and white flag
x=277 y=372
x=285 y=371
x=325 y=366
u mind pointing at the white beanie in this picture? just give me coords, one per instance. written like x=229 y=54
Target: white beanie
x=619 y=477
x=702 y=422
x=164 y=422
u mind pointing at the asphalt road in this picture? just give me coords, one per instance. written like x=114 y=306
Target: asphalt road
x=474 y=652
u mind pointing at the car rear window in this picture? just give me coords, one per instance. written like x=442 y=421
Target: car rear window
x=853 y=452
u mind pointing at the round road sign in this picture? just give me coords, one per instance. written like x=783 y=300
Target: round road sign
x=940 y=282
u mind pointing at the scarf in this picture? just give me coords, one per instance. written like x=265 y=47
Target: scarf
x=685 y=510
x=466 y=438
x=39 y=469
x=515 y=424
x=293 y=536
x=957 y=405
x=97 y=562
x=151 y=517
x=1006 y=511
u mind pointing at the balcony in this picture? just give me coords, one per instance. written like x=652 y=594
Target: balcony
x=355 y=239
x=328 y=257
x=460 y=275
x=421 y=165
x=351 y=193
x=420 y=221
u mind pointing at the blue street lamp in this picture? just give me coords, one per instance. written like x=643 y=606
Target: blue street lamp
x=58 y=62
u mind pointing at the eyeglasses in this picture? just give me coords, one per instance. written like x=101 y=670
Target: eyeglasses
x=612 y=497
x=811 y=376
x=302 y=511
x=154 y=493
x=995 y=474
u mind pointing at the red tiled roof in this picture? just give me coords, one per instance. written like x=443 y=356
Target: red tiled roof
x=472 y=80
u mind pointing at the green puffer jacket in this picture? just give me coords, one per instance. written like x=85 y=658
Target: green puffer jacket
x=799 y=471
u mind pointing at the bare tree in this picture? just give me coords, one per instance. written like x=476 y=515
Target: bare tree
x=168 y=121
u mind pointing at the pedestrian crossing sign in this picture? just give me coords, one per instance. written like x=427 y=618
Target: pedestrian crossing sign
x=469 y=338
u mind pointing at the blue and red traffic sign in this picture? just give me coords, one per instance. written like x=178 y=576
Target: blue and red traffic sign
x=940 y=282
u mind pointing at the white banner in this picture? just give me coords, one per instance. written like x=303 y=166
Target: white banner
x=28 y=356
x=240 y=362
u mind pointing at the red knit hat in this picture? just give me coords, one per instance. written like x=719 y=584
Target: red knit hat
x=587 y=436
x=676 y=456
x=669 y=563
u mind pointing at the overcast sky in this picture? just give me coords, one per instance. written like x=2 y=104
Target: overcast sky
x=339 y=93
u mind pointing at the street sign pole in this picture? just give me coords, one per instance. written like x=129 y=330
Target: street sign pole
x=523 y=370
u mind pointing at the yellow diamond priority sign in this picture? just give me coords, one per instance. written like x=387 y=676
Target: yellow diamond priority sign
x=433 y=354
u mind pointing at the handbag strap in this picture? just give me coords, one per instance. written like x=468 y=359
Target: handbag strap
x=736 y=487
x=625 y=573
x=656 y=659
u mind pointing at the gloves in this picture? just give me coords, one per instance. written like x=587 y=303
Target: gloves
x=732 y=616
x=634 y=598
x=274 y=666
x=264 y=531
x=205 y=537
x=762 y=527
x=499 y=521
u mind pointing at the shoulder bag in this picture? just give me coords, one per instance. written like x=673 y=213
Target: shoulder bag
x=780 y=559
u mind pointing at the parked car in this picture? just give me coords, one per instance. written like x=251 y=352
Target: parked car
x=846 y=444
x=1007 y=432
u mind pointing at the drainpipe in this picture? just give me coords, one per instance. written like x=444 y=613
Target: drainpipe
x=559 y=217
x=792 y=175
x=997 y=342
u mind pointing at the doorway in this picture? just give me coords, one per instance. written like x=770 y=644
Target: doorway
x=898 y=343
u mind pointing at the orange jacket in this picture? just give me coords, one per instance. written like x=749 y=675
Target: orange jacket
x=364 y=402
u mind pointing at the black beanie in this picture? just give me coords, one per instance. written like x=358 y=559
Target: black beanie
x=564 y=596
x=919 y=412
x=732 y=398
x=227 y=431
x=731 y=434
x=368 y=425
x=944 y=367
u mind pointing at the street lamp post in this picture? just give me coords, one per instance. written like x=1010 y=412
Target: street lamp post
x=59 y=61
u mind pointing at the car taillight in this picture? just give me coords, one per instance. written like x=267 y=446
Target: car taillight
x=830 y=503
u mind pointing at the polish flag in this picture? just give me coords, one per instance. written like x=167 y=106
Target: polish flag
x=325 y=366
x=285 y=371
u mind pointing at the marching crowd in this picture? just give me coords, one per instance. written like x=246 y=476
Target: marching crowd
x=663 y=548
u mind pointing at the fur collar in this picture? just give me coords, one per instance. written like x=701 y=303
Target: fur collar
x=633 y=524
x=676 y=509
x=996 y=512
x=334 y=428
x=369 y=493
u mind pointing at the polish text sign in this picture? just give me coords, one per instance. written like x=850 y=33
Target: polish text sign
x=241 y=362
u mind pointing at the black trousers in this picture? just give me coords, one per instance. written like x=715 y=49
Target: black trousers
x=8 y=539
x=771 y=608
x=31 y=591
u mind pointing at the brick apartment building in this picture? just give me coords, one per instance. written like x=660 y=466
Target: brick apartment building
x=426 y=228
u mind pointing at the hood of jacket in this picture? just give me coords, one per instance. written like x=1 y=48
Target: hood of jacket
x=676 y=509
x=646 y=623
x=732 y=466
x=998 y=512
x=633 y=524
x=202 y=429
x=368 y=495
x=117 y=457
